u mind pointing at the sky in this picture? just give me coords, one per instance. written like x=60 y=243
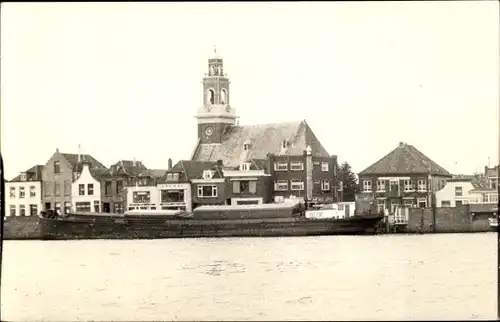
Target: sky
x=123 y=80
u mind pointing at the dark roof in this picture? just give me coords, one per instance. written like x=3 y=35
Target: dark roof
x=255 y=164
x=32 y=174
x=189 y=169
x=127 y=168
x=263 y=139
x=153 y=173
x=73 y=159
x=405 y=159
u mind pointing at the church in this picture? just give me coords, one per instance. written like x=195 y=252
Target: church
x=281 y=146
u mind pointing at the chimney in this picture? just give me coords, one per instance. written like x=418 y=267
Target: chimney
x=134 y=163
x=220 y=163
x=57 y=150
x=169 y=163
x=79 y=156
x=401 y=144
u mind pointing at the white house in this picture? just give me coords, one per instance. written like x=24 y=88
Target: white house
x=455 y=192
x=143 y=197
x=86 y=191
x=24 y=193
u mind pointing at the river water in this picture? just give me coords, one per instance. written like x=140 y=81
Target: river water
x=451 y=276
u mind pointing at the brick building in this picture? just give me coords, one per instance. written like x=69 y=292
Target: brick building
x=221 y=139
x=57 y=177
x=405 y=176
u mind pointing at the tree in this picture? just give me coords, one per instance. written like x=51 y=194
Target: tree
x=349 y=182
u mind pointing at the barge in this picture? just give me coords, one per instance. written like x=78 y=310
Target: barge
x=265 y=220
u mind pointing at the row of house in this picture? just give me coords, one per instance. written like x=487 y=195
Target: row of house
x=232 y=164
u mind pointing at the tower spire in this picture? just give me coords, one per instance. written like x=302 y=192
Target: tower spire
x=215 y=49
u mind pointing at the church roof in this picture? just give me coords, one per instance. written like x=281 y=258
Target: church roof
x=263 y=139
x=405 y=159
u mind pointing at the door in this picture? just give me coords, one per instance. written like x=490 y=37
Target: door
x=106 y=207
x=47 y=206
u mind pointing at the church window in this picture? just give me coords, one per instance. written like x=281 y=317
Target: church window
x=223 y=96
x=210 y=96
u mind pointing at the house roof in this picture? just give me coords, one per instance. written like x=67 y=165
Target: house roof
x=153 y=173
x=405 y=159
x=32 y=174
x=263 y=139
x=127 y=167
x=189 y=169
x=73 y=159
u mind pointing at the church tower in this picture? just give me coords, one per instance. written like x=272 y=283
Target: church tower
x=215 y=115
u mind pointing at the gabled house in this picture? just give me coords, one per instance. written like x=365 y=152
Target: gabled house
x=58 y=175
x=24 y=193
x=405 y=176
x=492 y=176
x=87 y=189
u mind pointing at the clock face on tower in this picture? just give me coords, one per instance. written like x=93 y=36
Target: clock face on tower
x=209 y=131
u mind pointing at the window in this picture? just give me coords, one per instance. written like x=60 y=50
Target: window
x=118 y=207
x=422 y=185
x=296 y=166
x=324 y=166
x=206 y=191
x=422 y=202
x=284 y=144
x=445 y=203
x=493 y=183
x=57 y=207
x=57 y=189
x=494 y=198
x=485 y=197
x=141 y=197
x=107 y=188
x=67 y=207
x=172 y=196
x=12 y=192
x=23 y=176
x=173 y=176
x=325 y=185
x=207 y=174
x=33 y=210
x=57 y=168
x=119 y=187
x=245 y=166
x=246 y=146
x=90 y=189
x=81 y=190
x=22 y=210
x=408 y=186
x=280 y=166
x=244 y=186
x=458 y=203
x=296 y=185
x=12 y=210
x=408 y=202
x=67 y=187
x=32 y=191
x=21 y=192
x=367 y=185
x=82 y=206
x=381 y=185
x=281 y=185
x=458 y=191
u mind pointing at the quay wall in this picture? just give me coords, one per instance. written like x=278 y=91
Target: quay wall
x=21 y=227
x=446 y=220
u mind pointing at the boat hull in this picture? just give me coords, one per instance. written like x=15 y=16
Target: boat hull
x=80 y=227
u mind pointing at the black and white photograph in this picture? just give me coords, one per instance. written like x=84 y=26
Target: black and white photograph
x=250 y=161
